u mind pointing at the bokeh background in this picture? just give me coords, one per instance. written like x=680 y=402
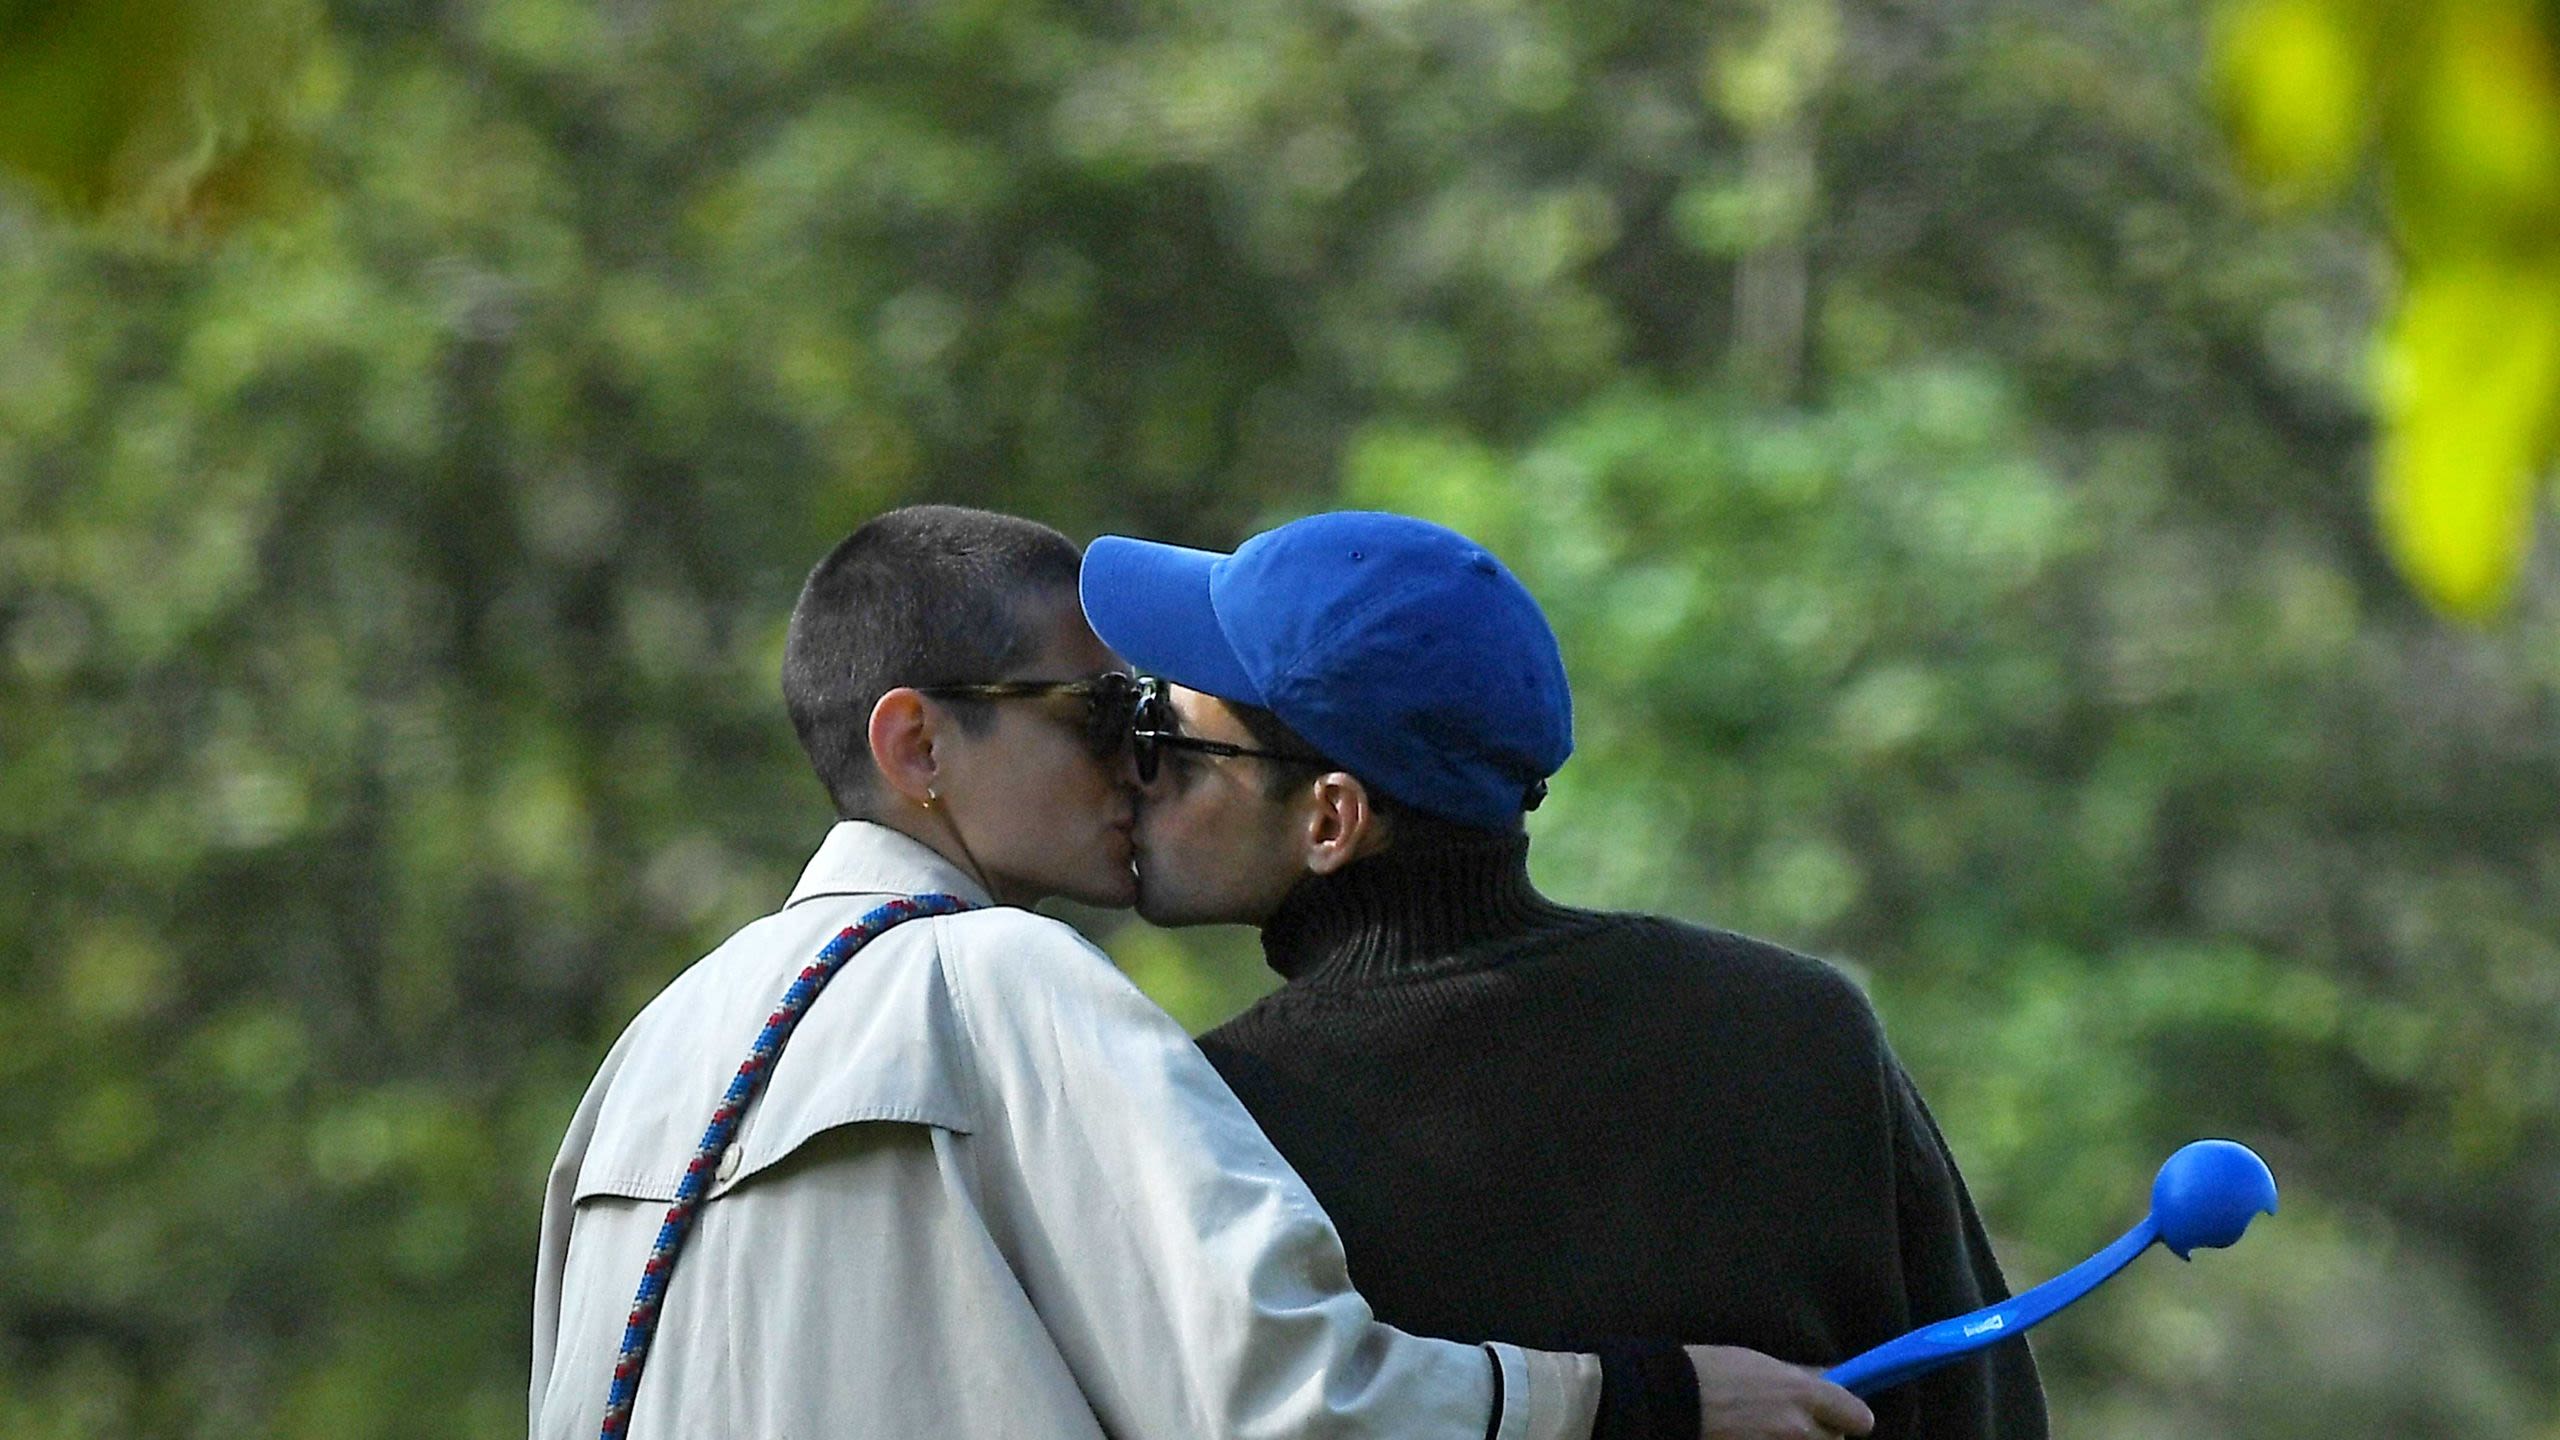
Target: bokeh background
x=2036 y=495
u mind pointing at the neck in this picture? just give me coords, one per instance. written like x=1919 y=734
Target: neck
x=933 y=828
x=1403 y=910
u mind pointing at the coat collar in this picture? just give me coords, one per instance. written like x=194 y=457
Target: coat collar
x=861 y=857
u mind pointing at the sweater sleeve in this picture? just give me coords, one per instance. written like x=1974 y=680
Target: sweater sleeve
x=1948 y=1269
x=1648 y=1391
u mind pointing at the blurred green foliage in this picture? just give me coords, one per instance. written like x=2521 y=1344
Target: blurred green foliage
x=1938 y=467
x=175 y=112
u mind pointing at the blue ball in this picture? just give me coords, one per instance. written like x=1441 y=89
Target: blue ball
x=2207 y=1194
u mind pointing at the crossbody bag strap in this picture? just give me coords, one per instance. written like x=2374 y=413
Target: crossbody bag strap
x=642 y=1328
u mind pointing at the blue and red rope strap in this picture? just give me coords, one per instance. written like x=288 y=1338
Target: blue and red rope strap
x=642 y=1328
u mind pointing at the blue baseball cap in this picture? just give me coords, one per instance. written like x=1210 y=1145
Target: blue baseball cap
x=1401 y=649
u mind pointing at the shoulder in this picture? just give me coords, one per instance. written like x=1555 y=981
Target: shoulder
x=1027 y=966
x=1023 y=945
x=1739 y=993
x=1735 y=964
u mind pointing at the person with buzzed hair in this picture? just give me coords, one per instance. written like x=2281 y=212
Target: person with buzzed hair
x=904 y=1159
x=1531 y=1122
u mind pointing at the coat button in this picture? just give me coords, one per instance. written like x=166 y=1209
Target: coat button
x=728 y=1165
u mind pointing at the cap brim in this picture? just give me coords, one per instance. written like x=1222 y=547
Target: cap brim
x=1151 y=603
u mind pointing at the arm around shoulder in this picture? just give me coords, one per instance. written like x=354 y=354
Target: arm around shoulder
x=1186 y=1275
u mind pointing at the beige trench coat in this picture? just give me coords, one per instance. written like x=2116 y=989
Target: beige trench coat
x=991 y=1190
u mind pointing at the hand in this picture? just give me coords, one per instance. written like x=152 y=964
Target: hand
x=1745 y=1395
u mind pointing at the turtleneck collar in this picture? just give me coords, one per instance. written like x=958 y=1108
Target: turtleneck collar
x=1403 y=912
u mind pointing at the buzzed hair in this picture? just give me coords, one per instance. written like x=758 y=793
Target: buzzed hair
x=927 y=595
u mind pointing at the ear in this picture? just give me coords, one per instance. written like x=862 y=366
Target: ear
x=1340 y=824
x=902 y=744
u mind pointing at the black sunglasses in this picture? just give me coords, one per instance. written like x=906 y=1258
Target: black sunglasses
x=1152 y=732
x=1111 y=700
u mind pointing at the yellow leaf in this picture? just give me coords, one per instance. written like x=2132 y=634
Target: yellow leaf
x=2470 y=391
x=2294 y=79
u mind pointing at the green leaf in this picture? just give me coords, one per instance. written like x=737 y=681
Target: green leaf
x=2476 y=151
x=167 y=111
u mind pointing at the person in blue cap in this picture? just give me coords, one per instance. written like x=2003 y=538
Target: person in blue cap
x=1530 y=1122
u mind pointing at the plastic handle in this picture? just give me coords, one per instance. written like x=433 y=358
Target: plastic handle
x=1925 y=1349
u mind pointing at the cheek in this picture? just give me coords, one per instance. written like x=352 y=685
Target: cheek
x=1046 y=794
x=1074 y=784
x=1177 y=821
x=1233 y=840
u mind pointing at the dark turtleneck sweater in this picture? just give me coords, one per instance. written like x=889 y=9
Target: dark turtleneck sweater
x=1574 y=1130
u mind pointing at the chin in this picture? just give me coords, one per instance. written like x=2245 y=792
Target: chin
x=1157 y=908
x=1109 y=893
